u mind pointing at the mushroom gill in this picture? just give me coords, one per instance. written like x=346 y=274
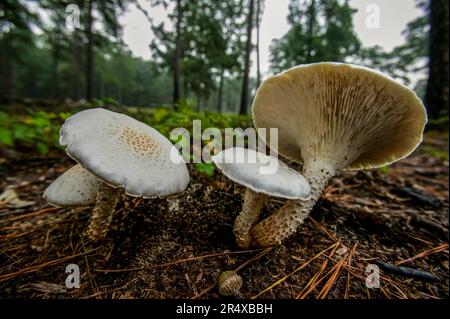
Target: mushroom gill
x=330 y=117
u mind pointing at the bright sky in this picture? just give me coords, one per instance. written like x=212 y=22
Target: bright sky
x=393 y=17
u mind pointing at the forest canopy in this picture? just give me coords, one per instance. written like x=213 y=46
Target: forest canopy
x=201 y=52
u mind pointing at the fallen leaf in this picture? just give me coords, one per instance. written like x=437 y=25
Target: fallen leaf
x=10 y=198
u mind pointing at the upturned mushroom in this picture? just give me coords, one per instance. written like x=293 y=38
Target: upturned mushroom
x=263 y=176
x=124 y=155
x=330 y=117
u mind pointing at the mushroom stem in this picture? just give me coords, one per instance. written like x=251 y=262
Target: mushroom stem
x=280 y=225
x=106 y=200
x=248 y=217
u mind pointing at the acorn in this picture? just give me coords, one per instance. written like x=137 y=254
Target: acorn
x=229 y=283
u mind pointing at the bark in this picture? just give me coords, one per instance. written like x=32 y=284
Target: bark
x=248 y=49
x=436 y=98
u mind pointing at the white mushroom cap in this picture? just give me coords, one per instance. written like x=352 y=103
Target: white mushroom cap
x=75 y=187
x=124 y=152
x=262 y=173
x=346 y=115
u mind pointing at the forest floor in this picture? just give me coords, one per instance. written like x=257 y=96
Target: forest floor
x=177 y=247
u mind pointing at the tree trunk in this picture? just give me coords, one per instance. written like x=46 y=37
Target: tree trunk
x=219 y=98
x=185 y=88
x=258 y=70
x=6 y=61
x=76 y=66
x=55 y=62
x=89 y=53
x=436 y=98
x=177 y=55
x=248 y=49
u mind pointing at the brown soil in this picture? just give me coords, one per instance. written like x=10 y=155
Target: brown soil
x=177 y=247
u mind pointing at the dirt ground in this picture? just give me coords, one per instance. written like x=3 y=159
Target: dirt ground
x=177 y=247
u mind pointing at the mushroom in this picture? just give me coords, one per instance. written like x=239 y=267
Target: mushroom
x=264 y=176
x=330 y=117
x=125 y=155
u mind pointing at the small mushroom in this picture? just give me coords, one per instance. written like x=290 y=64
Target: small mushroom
x=125 y=155
x=264 y=176
x=229 y=283
x=330 y=117
x=75 y=187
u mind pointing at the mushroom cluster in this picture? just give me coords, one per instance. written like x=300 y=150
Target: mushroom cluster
x=115 y=154
x=331 y=117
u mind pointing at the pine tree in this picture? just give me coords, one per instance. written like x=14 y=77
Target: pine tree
x=320 y=30
x=436 y=98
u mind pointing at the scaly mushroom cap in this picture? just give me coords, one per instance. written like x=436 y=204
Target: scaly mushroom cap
x=75 y=187
x=244 y=167
x=124 y=153
x=349 y=116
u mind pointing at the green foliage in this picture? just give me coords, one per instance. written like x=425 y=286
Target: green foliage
x=39 y=131
x=320 y=30
x=406 y=59
x=384 y=169
x=165 y=120
x=6 y=137
x=210 y=43
x=438 y=123
x=206 y=168
x=433 y=151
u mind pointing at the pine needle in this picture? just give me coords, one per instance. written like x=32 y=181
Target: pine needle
x=424 y=254
x=329 y=284
x=314 y=282
x=347 y=287
x=295 y=271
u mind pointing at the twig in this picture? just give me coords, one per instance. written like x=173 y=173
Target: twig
x=424 y=254
x=411 y=272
